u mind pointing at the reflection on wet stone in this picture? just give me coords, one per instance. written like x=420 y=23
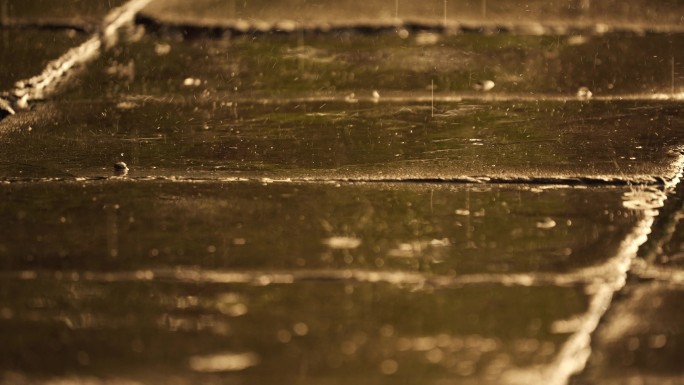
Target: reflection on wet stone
x=374 y=279
x=262 y=192
x=330 y=327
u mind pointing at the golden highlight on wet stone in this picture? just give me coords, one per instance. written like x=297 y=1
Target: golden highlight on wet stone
x=351 y=192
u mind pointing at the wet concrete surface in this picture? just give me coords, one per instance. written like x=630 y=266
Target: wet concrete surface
x=393 y=203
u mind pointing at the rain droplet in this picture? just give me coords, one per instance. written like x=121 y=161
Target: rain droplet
x=191 y=82
x=484 y=85
x=120 y=168
x=577 y=40
x=435 y=356
x=301 y=329
x=284 y=336
x=546 y=223
x=342 y=242
x=351 y=98
x=162 y=49
x=657 y=341
x=584 y=93
x=224 y=362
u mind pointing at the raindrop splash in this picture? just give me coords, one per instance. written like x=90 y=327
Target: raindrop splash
x=223 y=362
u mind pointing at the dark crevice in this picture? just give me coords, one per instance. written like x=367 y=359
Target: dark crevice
x=528 y=181
x=48 y=25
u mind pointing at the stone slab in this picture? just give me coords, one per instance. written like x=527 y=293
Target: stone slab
x=359 y=107
x=247 y=226
x=413 y=65
x=570 y=12
x=613 y=141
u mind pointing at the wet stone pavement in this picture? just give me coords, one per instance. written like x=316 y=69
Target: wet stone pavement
x=309 y=192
